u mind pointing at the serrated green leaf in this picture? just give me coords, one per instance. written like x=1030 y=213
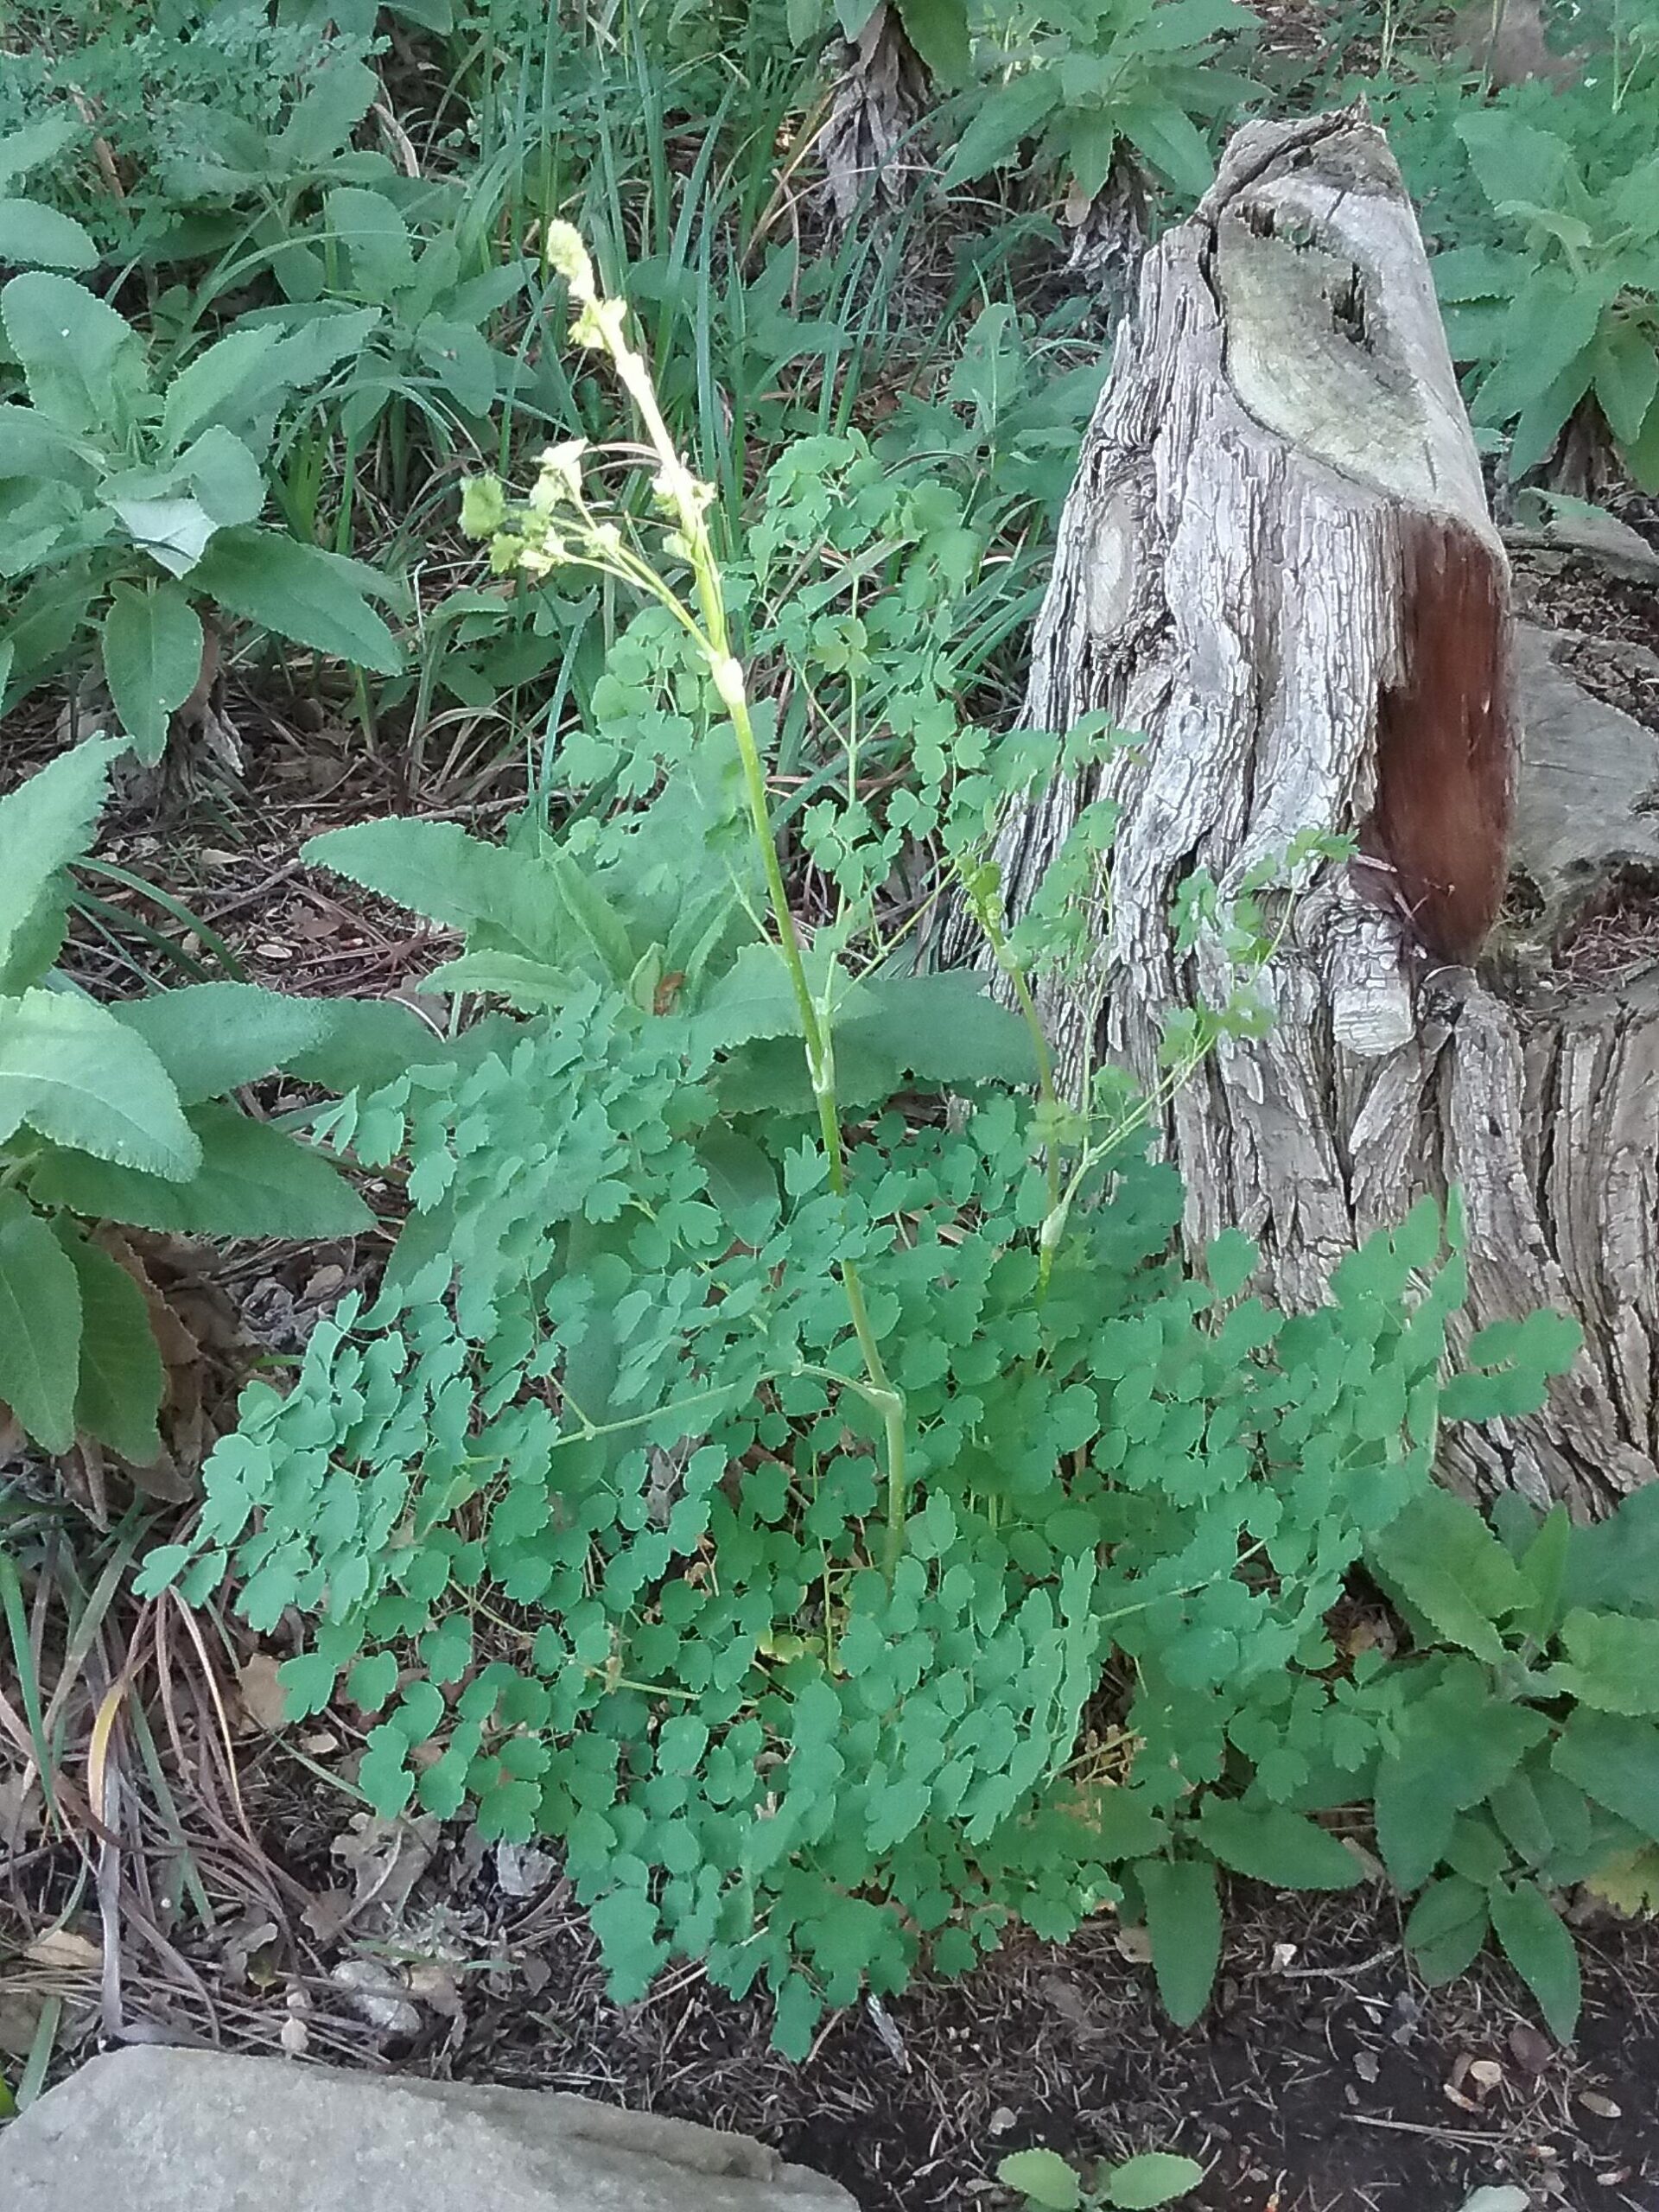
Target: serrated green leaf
x=40 y=1326
x=1271 y=1844
x=754 y=998
x=530 y=985
x=1456 y=1746
x=1171 y=141
x=1612 y=1662
x=48 y=821
x=74 y=1073
x=122 y=1378
x=83 y=366
x=316 y=598
x=152 y=660
x=437 y=870
x=1540 y=1949
x=1042 y=2179
x=1184 y=1922
x=376 y=239
x=593 y=922
x=1440 y=1555
x=369 y=1042
x=1613 y=1565
x=1616 y=1761
x=23 y=152
x=938 y=31
x=212 y=1037
x=944 y=1029
x=1011 y=114
x=1155 y=2177
x=35 y=236
x=1446 y=1927
x=253 y=1182
x=742 y=1181
x=1544 y=1563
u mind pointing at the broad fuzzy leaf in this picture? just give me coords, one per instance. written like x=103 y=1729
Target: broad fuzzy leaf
x=253 y=1181
x=1441 y=1556
x=742 y=1181
x=1616 y=1761
x=212 y=1038
x=73 y=1072
x=40 y=1326
x=1272 y=1845
x=368 y=1042
x=1042 y=2179
x=1612 y=1662
x=938 y=31
x=1614 y=1564
x=35 y=236
x=317 y=599
x=1183 y=1920
x=1626 y=377
x=1446 y=1928
x=1457 y=1745
x=1540 y=1948
x=944 y=1029
x=376 y=239
x=152 y=658
x=45 y=823
x=437 y=870
x=1011 y=114
x=1155 y=2177
x=122 y=1378
x=84 y=366
x=36 y=144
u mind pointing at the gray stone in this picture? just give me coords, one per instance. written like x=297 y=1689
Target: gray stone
x=150 y=2129
x=1588 y=795
x=1598 y=537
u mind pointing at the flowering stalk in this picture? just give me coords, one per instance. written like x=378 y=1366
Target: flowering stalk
x=559 y=528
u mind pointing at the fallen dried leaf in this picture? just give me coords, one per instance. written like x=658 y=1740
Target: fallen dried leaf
x=264 y=1699
x=1366 y=2066
x=1067 y=1999
x=521 y=1870
x=376 y=1994
x=1001 y=2120
x=1603 y=2107
x=385 y=1859
x=20 y=1807
x=1531 y=2051
x=62 y=1951
x=20 y=2021
x=434 y=1985
x=1135 y=1945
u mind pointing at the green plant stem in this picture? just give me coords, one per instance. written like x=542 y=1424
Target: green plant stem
x=727 y=672
x=996 y=937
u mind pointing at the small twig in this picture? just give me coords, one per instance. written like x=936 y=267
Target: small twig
x=1424 y=2128
x=1337 y=1974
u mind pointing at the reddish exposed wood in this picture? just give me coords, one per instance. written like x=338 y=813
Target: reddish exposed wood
x=1445 y=742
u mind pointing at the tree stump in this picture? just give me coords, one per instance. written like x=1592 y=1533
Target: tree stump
x=1277 y=567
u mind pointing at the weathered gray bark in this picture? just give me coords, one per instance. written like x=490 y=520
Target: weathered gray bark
x=1277 y=565
x=868 y=146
